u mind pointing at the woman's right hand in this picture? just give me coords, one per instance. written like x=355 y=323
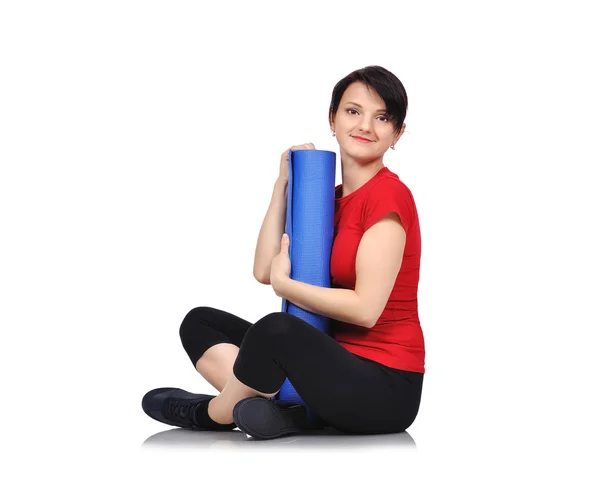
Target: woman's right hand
x=284 y=165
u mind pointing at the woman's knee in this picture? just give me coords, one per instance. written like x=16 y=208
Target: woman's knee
x=192 y=323
x=274 y=326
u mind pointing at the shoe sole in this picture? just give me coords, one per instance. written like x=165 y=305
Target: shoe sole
x=262 y=419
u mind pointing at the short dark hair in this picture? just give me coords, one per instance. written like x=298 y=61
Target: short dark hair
x=387 y=86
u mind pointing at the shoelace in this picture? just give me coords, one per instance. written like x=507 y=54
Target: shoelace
x=184 y=409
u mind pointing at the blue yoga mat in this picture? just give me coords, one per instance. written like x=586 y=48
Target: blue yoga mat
x=309 y=223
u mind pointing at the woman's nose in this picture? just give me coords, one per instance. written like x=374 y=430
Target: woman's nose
x=366 y=124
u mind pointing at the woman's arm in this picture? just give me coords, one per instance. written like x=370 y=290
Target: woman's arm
x=336 y=303
x=378 y=262
x=269 y=237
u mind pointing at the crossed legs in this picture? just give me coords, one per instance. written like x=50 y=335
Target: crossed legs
x=216 y=366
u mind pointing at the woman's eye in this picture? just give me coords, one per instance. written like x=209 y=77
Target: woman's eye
x=352 y=111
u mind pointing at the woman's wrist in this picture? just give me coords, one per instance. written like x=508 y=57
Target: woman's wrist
x=279 y=284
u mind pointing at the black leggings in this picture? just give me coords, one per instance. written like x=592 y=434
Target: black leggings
x=350 y=393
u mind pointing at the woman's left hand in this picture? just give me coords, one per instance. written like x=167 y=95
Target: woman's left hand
x=281 y=266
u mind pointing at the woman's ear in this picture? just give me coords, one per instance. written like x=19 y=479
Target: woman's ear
x=400 y=133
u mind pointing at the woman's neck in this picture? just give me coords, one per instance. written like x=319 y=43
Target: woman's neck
x=356 y=175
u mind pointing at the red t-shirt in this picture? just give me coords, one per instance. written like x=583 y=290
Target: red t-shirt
x=396 y=340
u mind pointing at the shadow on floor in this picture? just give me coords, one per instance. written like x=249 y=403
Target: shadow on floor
x=328 y=437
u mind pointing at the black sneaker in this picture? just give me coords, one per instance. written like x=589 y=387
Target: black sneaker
x=177 y=407
x=264 y=419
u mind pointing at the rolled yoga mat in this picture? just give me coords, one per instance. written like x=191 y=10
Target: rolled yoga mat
x=309 y=224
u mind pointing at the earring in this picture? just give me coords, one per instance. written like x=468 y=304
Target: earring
x=332 y=133
x=393 y=148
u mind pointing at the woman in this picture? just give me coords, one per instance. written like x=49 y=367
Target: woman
x=367 y=377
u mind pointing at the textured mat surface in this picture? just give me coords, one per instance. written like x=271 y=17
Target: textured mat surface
x=309 y=223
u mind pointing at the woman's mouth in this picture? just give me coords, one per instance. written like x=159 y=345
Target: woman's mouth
x=360 y=139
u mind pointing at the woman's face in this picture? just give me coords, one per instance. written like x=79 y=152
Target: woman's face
x=361 y=114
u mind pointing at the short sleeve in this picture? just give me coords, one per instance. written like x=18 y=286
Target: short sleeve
x=389 y=196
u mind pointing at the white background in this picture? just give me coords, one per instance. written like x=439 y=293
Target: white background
x=139 y=144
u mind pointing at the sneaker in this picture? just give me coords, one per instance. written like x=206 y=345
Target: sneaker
x=176 y=407
x=264 y=419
